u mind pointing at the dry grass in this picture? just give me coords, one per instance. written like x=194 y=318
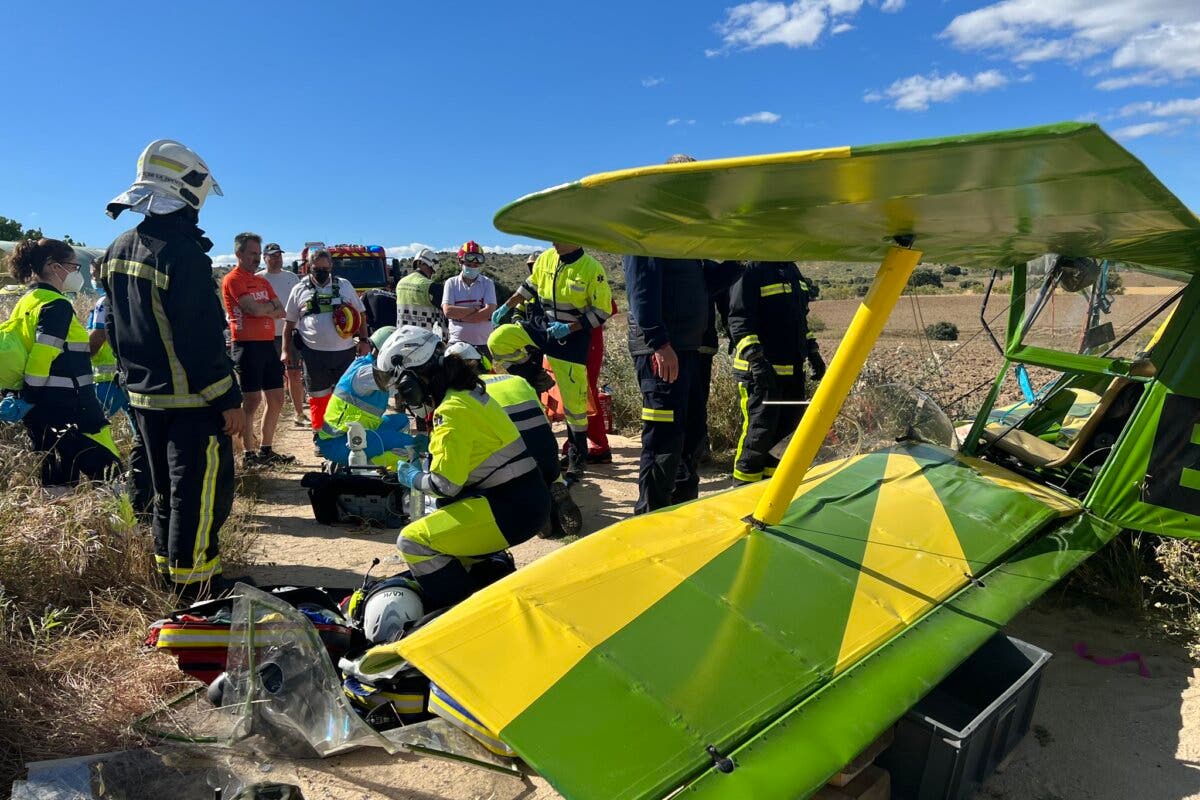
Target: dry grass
x=77 y=592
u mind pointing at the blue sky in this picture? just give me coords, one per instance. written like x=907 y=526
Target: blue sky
x=401 y=123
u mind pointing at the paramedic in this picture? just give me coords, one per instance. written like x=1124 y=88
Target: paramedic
x=490 y=492
x=61 y=413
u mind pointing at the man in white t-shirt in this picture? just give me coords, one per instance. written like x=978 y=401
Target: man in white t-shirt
x=468 y=300
x=310 y=328
x=283 y=281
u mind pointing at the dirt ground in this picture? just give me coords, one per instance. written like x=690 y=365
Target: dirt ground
x=1101 y=733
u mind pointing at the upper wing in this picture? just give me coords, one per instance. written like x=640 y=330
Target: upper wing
x=992 y=199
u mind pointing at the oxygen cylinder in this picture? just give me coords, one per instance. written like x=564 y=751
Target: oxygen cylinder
x=356 y=443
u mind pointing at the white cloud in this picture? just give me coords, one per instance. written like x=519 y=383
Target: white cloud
x=917 y=92
x=649 y=82
x=407 y=250
x=1143 y=129
x=799 y=23
x=1125 y=81
x=758 y=118
x=514 y=249
x=673 y=121
x=1156 y=39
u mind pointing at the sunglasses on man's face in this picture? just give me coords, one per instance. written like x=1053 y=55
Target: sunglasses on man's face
x=473 y=258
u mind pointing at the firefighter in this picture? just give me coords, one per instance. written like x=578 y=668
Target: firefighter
x=768 y=321
x=61 y=413
x=490 y=492
x=571 y=289
x=418 y=298
x=669 y=303
x=166 y=325
x=361 y=396
x=523 y=407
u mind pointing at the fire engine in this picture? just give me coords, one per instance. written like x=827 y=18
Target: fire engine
x=365 y=266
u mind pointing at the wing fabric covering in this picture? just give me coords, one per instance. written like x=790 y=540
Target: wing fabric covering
x=990 y=199
x=612 y=663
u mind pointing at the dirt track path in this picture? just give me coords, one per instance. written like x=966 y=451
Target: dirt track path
x=1101 y=733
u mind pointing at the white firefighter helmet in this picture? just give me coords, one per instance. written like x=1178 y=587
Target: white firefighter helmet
x=426 y=257
x=388 y=609
x=463 y=350
x=170 y=176
x=409 y=347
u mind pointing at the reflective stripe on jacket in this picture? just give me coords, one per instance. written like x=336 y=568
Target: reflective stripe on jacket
x=474 y=446
x=58 y=369
x=569 y=292
x=768 y=308
x=164 y=320
x=414 y=302
x=348 y=404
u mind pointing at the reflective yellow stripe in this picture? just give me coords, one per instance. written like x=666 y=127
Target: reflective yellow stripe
x=747 y=477
x=205 y=571
x=744 y=405
x=208 y=500
x=137 y=269
x=179 y=382
x=775 y=288
x=741 y=364
x=217 y=388
x=168 y=163
x=166 y=401
x=743 y=343
x=783 y=369
x=658 y=415
x=769 y=471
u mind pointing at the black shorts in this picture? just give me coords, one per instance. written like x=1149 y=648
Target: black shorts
x=293 y=362
x=258 y=366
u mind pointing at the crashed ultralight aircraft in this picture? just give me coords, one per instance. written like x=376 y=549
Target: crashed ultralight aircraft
x=752 y=643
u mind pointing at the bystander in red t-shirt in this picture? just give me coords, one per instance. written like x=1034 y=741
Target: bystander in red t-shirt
x=244 y=327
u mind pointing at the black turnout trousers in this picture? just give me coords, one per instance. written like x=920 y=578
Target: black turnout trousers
x=191 y=469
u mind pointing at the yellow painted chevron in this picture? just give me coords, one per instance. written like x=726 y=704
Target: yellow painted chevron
x=913 y=561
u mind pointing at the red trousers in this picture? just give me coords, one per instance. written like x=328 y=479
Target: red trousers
x=597 y=435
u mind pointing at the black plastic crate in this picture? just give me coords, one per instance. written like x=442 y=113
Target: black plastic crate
x=948 y=743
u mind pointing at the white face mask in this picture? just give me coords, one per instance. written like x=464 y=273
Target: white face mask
x=73 y=282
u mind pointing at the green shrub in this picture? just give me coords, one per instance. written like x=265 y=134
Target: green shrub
x=816 y=324
x=942 y=332
x=970 y=286
x=925 y=277
x=953 y=271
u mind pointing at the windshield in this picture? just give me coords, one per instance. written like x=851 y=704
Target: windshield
x=1096 y=308
x=363 y=273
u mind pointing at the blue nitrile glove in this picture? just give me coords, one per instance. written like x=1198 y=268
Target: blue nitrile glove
x=13 y=409
x=421 y=443
x=559 y=330
x=407 y=473
x=500 y=314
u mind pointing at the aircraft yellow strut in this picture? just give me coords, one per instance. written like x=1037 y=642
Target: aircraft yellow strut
x=831 y=392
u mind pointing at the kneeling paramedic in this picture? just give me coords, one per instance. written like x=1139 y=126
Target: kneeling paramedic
x=521 y=403
x=490 y=492
x=768 y=320
x=571 y=288
x=360 y=395
x=58 y=403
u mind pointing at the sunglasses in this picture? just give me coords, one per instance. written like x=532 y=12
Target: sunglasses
x=473 y=258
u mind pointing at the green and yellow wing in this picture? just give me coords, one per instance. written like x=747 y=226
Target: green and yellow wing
x=991 y=199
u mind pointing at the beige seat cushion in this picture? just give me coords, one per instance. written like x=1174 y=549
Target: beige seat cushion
x=1028 y=448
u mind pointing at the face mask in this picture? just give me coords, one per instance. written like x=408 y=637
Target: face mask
x=321 y=275
x=73 y=282
x=471 y=273
x=410 y=389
